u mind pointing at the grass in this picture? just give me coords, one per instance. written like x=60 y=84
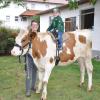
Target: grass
x=63 y=83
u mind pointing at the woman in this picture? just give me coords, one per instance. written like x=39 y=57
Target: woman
x=30 y=67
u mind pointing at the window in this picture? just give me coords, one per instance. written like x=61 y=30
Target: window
x=24 y=18
x=32 y=5
x=70 y=24
x=47 y=5
x=7 y=18
x=87 y=19
x=16 y=18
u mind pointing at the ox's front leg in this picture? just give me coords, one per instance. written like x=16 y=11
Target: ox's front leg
x=48 y=69
x=40 y=80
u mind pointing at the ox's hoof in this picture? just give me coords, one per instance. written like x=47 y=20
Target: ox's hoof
x=37 y=91
x=81 y=84
x=43 y=99
x=90 y=89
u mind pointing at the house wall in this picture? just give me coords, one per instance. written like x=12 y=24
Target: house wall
x=66 y=13
x=14 y=10
x=44 y=22
x=96 y=34
x=40 y=6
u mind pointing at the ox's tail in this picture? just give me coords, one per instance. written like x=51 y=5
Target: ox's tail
x=89 y=37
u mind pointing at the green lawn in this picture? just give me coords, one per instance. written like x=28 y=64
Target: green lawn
x=63 y=83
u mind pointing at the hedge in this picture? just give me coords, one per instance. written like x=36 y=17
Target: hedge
x=7 y=37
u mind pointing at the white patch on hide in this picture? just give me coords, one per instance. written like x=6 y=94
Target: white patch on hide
x=64 y=44
x=68 y=51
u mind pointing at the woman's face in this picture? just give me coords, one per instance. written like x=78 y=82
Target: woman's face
x=34 y=26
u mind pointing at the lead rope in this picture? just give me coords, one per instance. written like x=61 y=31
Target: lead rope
x=27 y=62
x=19 y=57
x=26 y=66
x=57 y=53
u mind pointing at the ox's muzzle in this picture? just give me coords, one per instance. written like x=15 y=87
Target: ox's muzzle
x=21 y=49
x=18 y=51
x=17 y=45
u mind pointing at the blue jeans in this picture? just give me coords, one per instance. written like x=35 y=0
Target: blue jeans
x=60 y=39
x=31 y=71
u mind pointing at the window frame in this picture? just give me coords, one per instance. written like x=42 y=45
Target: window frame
x=23 y=18
x=70 y=24
x=86 y=13
x=16 y=18
x=7 y=18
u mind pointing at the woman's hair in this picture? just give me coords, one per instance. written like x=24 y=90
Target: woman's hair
x=34 y=21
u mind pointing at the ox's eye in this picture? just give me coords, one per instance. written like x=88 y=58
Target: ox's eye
x=23 y=40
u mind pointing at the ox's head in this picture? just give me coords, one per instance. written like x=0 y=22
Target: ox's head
x=22 y=43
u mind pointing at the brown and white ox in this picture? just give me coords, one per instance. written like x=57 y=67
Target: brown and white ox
x=76 y=46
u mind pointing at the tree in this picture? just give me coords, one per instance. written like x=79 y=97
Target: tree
x=6 y=39
x=5 y=3
x=73 y=4
x=93 y=1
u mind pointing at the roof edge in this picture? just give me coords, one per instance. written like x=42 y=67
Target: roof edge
x=46 y=2
x=62 y=7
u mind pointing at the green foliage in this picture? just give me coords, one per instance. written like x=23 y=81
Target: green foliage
x=37 y=18
x=19 y=2
x=93 y=2
x=0 y=22
x=73 y=4
x=6 y=39
x=5 y=3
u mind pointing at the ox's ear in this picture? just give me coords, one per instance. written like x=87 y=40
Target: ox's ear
x=32 y=35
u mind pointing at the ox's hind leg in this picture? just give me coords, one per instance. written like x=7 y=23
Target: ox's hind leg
x=82 y=69
x=89 y=68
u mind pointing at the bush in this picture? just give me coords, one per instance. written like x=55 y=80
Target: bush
x=0 y=22
x=6 y=40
